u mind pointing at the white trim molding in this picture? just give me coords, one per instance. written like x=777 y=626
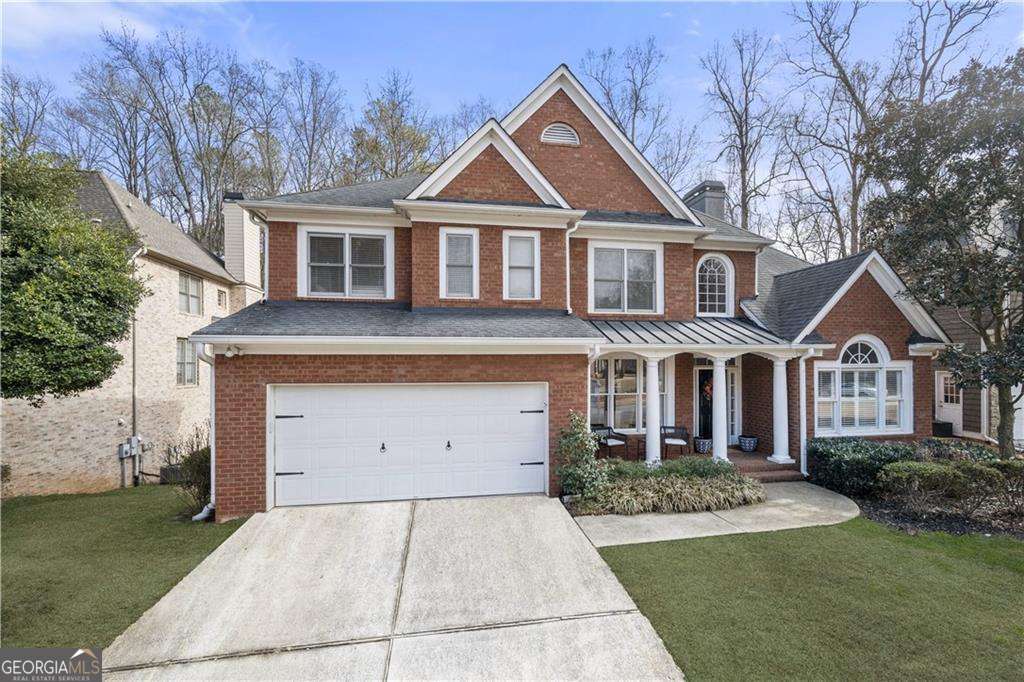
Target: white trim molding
x=506 y=236
x=442 y=249
x=430 y=211
x=302 y=257
x=730 y=284
x=626 y=246
x=490 y=134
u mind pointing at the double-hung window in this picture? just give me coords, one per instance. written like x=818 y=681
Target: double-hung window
x=521 y=257
x=617 y=393
x=863 y=393
x=343 y=263
x=460 y=262
x=625 y=279
x=190 y=294
x=187 y=364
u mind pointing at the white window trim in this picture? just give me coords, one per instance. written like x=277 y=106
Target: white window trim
x=906 y=426
x=730 y=285
x=202 y=293
x=442 y=249
x=668 y=419
x=506 y=235
x=659 y=276
x=190 y=354
x=302 y=280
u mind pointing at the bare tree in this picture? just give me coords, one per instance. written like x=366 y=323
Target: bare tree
x=740 y=94
x=395 y=136
x=453 y=130
x=627 y=86
x=264 y=146
x=26 y=101
x=316 y=125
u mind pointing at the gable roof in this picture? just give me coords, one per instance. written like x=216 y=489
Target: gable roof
x=490 y=134
x=102 y=198
x=794 y=298
x=562 y=79
x=373 y=194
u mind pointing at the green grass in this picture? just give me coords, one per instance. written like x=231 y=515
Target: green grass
x=79 y=569
x=853 y=601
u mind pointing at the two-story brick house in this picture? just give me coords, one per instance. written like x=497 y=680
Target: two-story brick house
x=428 y=336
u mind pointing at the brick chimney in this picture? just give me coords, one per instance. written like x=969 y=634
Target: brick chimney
x=707 y=197
x=242 y=256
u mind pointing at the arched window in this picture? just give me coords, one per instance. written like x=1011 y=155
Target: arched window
x=560 y=133
x=714 y=286
x=865 y=392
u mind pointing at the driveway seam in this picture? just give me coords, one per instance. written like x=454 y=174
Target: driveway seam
x=371 y=640
x=401 y=583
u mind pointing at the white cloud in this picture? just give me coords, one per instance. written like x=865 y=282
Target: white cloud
x=666 y=15
x=694 y=29
x=42 y=25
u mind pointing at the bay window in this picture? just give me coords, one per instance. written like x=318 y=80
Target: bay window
x=625 y=278
x=617 y=393
x=346 y=263
x=864 y=393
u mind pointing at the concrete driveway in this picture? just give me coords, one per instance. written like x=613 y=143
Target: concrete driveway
x=501 y=587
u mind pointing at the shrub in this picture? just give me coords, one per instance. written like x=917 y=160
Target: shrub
x=695 y=467
x=673 y=494
x=956 y=450
x=190 y=456
x=1010 y=492
x=920 y=485
x=580 y=472
x=981 y=484
x=852 y=465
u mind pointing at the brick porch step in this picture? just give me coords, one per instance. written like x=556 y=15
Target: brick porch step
x=776 y=476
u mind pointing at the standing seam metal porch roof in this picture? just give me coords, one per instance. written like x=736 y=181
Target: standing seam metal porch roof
x=707 y=331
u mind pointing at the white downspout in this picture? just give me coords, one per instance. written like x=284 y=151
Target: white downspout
x=265 y=229
x=802 y=371
x=568 y=286
x=208 y=359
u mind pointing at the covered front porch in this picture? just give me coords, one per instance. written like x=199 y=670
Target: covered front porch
x=720 y=378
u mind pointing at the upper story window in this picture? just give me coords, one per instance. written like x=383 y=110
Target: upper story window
x=864 y=393
x=625 y=277
x=521 y=259
x=190 y=294
x=346 y=262
x=460 y=262
x=560 y=133
x=187 y=373
x=715 y=284
x=222 y=298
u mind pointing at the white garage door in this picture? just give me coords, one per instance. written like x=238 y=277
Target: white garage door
x=392 y=442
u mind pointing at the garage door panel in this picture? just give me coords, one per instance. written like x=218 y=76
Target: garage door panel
x=337 y=442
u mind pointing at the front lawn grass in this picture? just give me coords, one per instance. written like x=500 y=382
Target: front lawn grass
x=853 y=601
x=79 y=569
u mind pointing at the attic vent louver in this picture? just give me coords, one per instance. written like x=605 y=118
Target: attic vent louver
x=560 y=133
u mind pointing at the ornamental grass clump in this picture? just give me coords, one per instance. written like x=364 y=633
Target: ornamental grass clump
x=674 y=494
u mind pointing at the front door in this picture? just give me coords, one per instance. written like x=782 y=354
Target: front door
x=949 y=401
x=705 y=382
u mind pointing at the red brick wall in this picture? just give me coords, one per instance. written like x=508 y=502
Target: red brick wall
x=241 y=402
x=684 y=391
x=678 y=268
x=742 y=263
x=489 y=177
x=758 y=409
x=283 y=263
x=590 y=176
x=427 y=270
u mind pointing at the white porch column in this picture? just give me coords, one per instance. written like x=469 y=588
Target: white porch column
x=719 y=416
x=780 y=414
x=652 y=413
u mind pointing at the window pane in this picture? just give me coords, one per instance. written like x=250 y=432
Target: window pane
x=848 y=384
x=860 y=354
x=459 y=249
x=625 y=380
x=599 y=410
x=460 y=280
x=608 y=264
x=327 y=279
x=624 y=411
x=599 y=376
x=661 y=377
x=892 y=413
x=825 y=417
x=893 y=383
x=520 y=251
x=641 y=265
x=520 y=283
x=194 y=286
x=608 y=295
x=847 y=413
x=326 y=249
x=825 y=384
x=867 y=387
x=367 y=250
x=367 y=280
x=867 y=413
x=183 y=302
x=182 y=283
x=641 y=296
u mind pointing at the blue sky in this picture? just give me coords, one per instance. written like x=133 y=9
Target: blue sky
x=452 y=51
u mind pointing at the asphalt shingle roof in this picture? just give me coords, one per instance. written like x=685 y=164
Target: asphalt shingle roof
x=115 y=206
x=340 y=318
x=726 y=229
x=376 y=194
x=634 y=217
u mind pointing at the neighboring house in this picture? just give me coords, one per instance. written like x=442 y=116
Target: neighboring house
x=160 y=392
x=973 y=412
x=428 y=336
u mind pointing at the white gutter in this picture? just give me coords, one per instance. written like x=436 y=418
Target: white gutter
x=208 y=359
x=426 y=340
x=568 y=287
x=802 y=371
x=265 y=229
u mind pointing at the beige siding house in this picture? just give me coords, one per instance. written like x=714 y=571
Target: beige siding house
x=160 y=392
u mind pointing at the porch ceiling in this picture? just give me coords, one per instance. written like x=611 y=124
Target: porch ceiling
x=703 y=331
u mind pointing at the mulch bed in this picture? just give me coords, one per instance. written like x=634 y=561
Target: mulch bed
x=912 y=523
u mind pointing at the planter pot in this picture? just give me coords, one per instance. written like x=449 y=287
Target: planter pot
x=702 y=445
x=748 y=443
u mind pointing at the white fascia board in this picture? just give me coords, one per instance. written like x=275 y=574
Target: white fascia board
x=322 y=213
x=919 y=349
x=489 y=134
x=751 y=315
x=893 y=286
x=696 y=230
x=563 y=79
x=711 y=242
x=487 y=214
x=665 y=236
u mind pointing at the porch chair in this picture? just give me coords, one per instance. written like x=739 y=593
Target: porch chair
x=607 y=439
x=676 y=437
